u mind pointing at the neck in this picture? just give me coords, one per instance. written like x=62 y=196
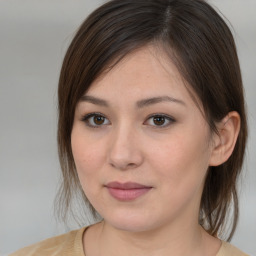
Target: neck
x=188 y=240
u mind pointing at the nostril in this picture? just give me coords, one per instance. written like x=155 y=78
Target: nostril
x=123 y=166
x=131 y=165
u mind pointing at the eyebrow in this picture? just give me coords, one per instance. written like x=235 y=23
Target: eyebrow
x=140 y=103
x=94 y=100
x=155 y=100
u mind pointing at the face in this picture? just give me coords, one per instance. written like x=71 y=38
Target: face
x=141 y=145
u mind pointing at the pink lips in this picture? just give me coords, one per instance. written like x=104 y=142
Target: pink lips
x=126 y=191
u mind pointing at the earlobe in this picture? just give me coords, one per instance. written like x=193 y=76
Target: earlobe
x=225 y=141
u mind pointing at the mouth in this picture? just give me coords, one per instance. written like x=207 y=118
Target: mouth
x=127 y=191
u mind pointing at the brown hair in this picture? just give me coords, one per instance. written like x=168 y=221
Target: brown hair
x=203 y=49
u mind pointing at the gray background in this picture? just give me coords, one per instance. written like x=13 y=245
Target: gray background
x=34 y=35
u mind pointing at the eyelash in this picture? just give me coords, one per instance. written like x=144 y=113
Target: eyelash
x=87 y=117
x=165 y=117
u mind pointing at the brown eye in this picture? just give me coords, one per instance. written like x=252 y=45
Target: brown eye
x=95 y=120
x=159 y=120
x=98 y=120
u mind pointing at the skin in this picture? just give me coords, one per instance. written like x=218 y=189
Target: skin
x=129 y=146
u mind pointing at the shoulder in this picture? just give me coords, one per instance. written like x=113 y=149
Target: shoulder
x=65 y=245
x=230 y=250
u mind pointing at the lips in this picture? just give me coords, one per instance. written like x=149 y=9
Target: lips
x=127 y=191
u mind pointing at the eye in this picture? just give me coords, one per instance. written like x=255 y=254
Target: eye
x=95 y=120
x=160 y=120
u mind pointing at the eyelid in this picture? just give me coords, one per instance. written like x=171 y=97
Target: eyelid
x=168 y=117
x=86 y=117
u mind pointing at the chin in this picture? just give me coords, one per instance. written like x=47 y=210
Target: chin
x=130 y=222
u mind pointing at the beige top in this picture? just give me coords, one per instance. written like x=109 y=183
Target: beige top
x=71 y=244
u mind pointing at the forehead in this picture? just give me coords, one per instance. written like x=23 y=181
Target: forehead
x=143 y=72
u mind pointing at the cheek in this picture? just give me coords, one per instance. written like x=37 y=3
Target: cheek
x=88 y=160
x=87 y=154
x=182 y=160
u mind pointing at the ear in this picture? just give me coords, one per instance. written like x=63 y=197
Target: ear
x=225 y=141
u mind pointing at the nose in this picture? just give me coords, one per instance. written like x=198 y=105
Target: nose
x=125 y=149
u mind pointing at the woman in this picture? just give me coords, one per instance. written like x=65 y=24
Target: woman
x=152 y=131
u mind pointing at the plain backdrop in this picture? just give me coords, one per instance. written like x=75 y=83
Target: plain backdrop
x=34 y=35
